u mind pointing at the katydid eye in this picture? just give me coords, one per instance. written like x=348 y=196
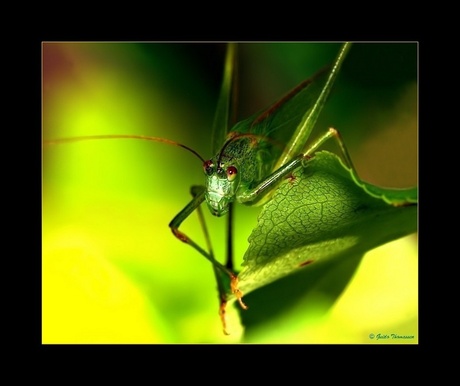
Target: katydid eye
x=208 y=167
x=231 y=173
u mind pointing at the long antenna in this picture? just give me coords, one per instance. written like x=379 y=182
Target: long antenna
x=122 y=136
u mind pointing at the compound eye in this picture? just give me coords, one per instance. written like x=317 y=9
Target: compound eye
x=231 y=173
x=208 y=167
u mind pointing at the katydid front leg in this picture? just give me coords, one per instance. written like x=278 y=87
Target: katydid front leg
x=198 y=193
x=217 y=272
x=266 y=186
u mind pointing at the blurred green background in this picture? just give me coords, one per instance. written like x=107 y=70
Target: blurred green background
x=113 y=272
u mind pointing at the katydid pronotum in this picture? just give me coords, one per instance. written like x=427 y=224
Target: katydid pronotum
x=253 y=157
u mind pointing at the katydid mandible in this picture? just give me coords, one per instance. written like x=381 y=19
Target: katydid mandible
x=252 y=158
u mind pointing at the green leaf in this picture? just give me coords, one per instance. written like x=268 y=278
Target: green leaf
x=321 y=213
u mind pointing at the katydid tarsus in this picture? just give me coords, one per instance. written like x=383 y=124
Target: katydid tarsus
x=250 y=158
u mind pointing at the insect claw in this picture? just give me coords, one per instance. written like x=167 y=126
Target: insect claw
x=223 y=302
x=237 y=292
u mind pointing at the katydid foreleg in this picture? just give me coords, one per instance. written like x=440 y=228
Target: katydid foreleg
x=195 y=204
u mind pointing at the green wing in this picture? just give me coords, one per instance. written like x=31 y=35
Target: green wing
x=222 y=117
x=291 y=119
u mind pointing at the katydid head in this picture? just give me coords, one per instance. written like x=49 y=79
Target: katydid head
x=225 y=171
x=221 y=184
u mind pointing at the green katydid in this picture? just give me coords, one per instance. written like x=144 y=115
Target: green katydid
x=244 y=167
